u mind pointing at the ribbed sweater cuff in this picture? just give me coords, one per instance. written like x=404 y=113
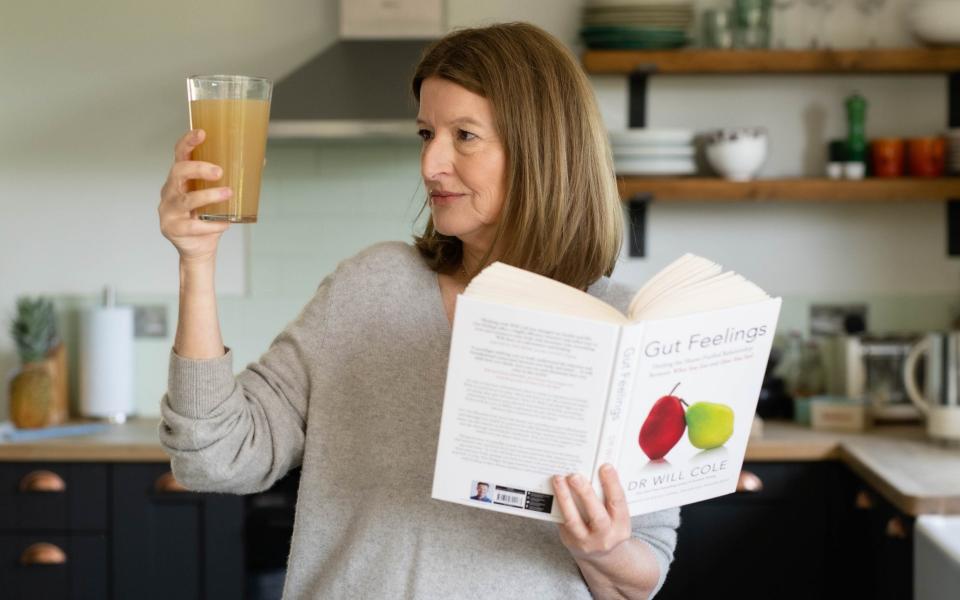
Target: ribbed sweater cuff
x=195 y=387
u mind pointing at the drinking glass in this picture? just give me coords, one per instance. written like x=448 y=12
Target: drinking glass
x=869 y=9
x=779 y=23
x=234 y=111
x=718 y=28
x=753 y=23
x=818 y=39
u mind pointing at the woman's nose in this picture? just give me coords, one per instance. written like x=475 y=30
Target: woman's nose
x=435 y=159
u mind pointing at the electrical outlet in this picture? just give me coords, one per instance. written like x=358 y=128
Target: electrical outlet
x=150 y=321
x=837 y=319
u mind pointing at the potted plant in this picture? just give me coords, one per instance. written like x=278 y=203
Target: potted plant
x=38 y=390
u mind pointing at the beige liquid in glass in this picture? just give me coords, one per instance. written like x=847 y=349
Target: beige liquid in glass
x=236 y=141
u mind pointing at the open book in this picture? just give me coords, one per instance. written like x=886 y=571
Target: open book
x=545 y=379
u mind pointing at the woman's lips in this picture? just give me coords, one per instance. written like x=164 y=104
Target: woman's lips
x=444 y=199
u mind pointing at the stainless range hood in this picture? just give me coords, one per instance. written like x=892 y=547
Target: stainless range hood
x=360 y=86
x=353 y=89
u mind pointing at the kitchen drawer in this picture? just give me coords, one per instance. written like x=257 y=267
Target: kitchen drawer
x=53 y=566
x=63 y=497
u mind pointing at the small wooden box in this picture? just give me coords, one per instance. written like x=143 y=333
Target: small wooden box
x=839 y=414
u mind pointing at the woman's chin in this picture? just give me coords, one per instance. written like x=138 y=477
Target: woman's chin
x=447 y=232
x=444 y=227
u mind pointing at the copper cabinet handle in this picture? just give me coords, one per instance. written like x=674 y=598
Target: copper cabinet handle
x=166 y=484
x=43 y=553
x=749 y=482
x=896 y=529
x=863 y=500
x=42 y=481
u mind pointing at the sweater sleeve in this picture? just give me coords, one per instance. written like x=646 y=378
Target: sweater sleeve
x=239 y=434
x=659 y=531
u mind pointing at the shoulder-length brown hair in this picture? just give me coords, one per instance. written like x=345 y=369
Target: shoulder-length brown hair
x=562 y=214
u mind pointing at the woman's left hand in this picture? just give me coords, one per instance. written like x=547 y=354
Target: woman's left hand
x=605 y=525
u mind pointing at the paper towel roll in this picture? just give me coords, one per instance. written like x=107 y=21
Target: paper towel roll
x=106 y=362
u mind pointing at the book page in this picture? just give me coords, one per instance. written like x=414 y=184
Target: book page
x=507 y=284
x=691 y=284
x=524 y=401
x=692 y=405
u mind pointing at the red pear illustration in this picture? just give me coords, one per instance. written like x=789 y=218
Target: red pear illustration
x=663 y=427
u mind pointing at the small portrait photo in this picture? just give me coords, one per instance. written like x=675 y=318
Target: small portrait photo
x=480 y=491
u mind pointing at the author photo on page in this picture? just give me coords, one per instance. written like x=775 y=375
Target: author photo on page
x=480 y=492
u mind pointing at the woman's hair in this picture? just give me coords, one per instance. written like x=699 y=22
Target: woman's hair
x=562 y=214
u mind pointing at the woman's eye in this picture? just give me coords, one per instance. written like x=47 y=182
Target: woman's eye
x=465 y=136
x=424 y=134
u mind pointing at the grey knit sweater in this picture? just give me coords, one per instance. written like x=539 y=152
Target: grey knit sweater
x=352 y=390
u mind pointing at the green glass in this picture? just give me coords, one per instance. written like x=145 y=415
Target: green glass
x=717 y=28
x=752 y=23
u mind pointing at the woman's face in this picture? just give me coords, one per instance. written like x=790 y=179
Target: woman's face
x=462 y=161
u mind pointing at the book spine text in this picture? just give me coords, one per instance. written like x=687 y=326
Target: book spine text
x=618 y=399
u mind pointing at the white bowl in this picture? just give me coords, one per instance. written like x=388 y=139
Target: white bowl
x=936 y=22
x=737 y=154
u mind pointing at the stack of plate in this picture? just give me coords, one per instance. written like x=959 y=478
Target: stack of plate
x=953 y=151
x=654 y=152
x=637 y=23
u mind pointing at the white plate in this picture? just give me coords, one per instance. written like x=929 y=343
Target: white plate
x=630 y=4
x=680 y=23
x=655 y=166
x=628 y=152
x=634 y=13
x=652 y=137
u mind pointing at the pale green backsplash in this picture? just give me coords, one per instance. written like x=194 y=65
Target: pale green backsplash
x=321 y=203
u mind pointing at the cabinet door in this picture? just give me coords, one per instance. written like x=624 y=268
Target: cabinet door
x=770 y=543
x=70 y=567
x=174 y=544
x=877 y=543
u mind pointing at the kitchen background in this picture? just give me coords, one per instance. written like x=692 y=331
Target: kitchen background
x=94 y=99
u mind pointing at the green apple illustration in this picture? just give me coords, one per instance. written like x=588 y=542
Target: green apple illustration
x=709 y=424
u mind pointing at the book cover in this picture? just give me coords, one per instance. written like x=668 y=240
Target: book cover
x=534 y=389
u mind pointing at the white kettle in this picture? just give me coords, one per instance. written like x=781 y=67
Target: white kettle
x=940 y=399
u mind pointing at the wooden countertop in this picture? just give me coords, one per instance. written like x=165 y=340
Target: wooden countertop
x=134 y=441
x=915 y=474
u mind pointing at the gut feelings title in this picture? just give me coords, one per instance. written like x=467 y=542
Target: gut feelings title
x=657 y=348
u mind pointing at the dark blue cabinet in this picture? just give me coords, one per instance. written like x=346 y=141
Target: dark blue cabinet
x=808 y=533
x=119 y=530
x=126 y=530
x=54 y=534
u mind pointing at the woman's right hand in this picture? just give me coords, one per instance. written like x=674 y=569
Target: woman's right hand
x=195 y=240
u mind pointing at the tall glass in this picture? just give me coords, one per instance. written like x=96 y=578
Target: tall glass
x=753 y=24
x=234 y=111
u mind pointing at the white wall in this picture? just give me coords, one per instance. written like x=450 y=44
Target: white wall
x=93 y=101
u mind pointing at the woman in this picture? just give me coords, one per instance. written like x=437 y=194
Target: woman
x=517 y=167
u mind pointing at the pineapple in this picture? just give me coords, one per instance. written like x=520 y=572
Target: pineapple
x=31 y=396
x=35 y=328
x=33 y=391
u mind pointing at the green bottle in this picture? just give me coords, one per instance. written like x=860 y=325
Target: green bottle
x=856 y=128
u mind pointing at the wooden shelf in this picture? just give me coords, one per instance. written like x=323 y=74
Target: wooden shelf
x=715 y=189
x=691 y=61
